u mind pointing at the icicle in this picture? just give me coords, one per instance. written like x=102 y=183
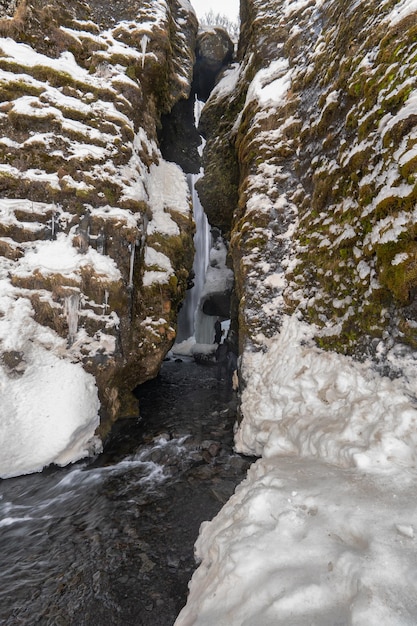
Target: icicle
x=106 y=301
x=54 y=222
x=100 y=242
x=198 y=106
x=143 y=44
x=71 y=308
x=132 y=247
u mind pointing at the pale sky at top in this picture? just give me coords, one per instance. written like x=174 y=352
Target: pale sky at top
x=224 y=7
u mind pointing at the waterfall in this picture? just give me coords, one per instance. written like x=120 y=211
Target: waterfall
x=202 y=244
x=209 y=272
x=204 y=327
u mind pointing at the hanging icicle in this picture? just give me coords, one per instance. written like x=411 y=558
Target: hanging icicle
x=143 y=44
x=71 y=309
x=106 y=302
x=101 y=242
x=54 y=222
x=132 y=247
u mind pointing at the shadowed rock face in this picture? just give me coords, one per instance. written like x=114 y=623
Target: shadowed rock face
x=217 y=304
x=214 y=50
x=178 y=137
x=83 y=89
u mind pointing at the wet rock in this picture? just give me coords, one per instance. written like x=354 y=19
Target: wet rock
x=217 y=303
x=212 y=447
x=224 y=491
x=15 y=362
x=214 y=51
x=206 y=456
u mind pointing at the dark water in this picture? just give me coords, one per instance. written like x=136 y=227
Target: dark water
x=110 y=542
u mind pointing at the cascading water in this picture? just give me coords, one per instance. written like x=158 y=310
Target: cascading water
x=210 y=271
x=202 y=244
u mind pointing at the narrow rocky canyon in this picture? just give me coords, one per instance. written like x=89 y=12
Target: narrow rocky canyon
x=303 y=155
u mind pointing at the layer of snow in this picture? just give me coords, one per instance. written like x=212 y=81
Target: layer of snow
x=302 y=400
x=271 y=84
x=228 y=82
x=401 y=11
x=168 y=191
x=161 y=268
x=303 y=543
x=219 y=278
x=61 y=257
x=49 y=406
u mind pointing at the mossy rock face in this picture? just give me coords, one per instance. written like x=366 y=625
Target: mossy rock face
x=324 y=220
x=218 y=188
x=79 y=137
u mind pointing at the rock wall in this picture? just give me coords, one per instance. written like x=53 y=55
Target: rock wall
x=311 y=168
x=95 y=227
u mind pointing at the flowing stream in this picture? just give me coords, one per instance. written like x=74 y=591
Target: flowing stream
x=110 y=541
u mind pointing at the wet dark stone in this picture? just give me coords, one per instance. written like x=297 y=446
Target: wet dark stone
x=179 y=139
x=217 y=303
x=214 y=51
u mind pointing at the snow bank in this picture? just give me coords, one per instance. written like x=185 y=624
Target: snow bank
x=219 y=278
x=270 y=85
x=302 y=400
x=401 y=11
x=305 y=543
x=49 y=406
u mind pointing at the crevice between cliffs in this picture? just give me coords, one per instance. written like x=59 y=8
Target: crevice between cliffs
x=209 y=299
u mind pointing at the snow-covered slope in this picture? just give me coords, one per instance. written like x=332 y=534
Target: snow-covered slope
x=95 y=227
